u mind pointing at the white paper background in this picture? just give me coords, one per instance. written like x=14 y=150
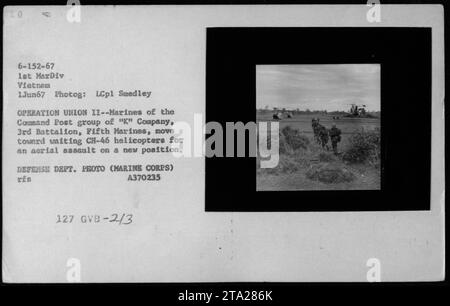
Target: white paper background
x=162 y=48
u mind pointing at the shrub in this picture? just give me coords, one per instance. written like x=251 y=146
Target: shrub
x=293 y=138
x=284 y=147
x=290 y=141
x=291 y=158
x=287 y=164
x=326 y=157
x=364 y=146
x=328 y=173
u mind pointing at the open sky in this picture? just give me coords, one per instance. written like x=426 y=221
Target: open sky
x=318 y=87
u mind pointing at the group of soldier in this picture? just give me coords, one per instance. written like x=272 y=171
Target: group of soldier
x=322 y=135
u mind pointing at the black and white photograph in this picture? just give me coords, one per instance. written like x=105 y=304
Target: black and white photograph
x=329 y=125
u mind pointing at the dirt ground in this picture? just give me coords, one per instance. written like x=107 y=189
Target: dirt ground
x=367 y=177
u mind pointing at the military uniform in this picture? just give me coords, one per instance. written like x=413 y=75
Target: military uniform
x=335 y=135
x=316 y=127
x=323 y=136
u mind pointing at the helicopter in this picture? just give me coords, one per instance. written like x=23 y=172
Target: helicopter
x=357 y=110
x=281 y=114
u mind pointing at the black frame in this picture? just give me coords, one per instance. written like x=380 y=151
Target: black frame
x=405 y=58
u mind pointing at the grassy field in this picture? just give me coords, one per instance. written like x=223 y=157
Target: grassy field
x=294 y=169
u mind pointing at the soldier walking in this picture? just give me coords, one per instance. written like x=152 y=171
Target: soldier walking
x=315 y=126
x=335 y=135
